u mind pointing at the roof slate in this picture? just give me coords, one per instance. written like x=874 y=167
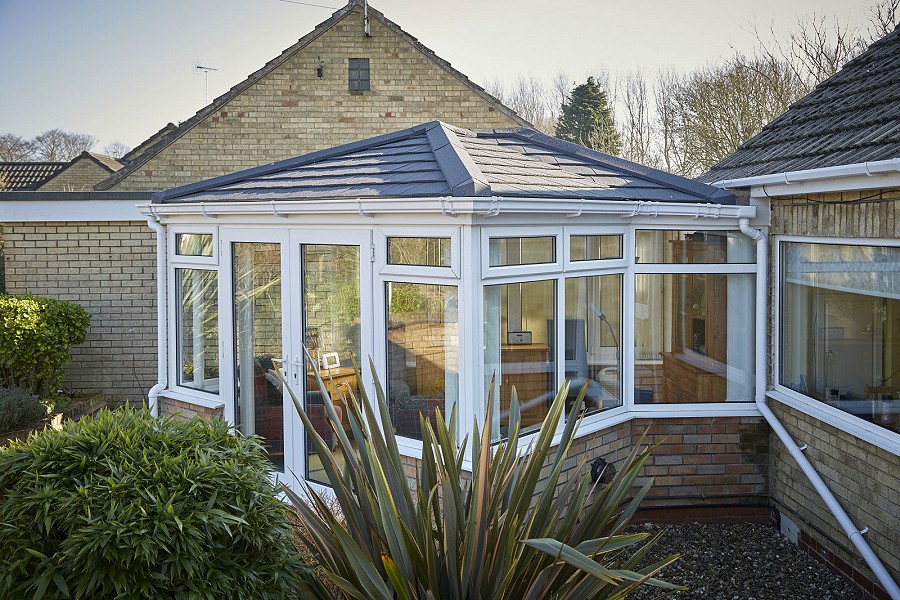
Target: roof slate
x=851 y=117
x=22 y=176
x=436 y=159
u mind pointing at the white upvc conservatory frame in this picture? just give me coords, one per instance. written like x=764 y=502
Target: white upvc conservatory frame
x=469 y=229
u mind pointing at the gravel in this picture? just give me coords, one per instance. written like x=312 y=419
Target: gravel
x=741 y=562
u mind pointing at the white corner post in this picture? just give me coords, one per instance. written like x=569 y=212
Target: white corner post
x=854 y=533
x=161 y=322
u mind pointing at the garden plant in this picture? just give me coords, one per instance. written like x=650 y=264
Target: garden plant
x=19 y=408
x=127 y=506
x=513 y=527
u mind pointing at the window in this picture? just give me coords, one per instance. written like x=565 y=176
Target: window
x=840 y=327
x=591 y=349
x=194 y=244
x=359 y=75
x=694 y=337
x=197 y=329
x=594 y=247
x=422 y=354
x=522 y=251
x=419 y=251
x=690 y=247
x=518 y=332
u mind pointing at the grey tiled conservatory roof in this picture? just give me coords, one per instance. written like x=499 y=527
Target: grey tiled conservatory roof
x=435 y=159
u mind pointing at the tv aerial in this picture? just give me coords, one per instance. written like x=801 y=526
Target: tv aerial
x=200 y=68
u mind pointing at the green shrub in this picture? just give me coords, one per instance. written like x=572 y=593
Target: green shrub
x=19 y=408
x=35 y=337
x=128 y=506
x=512 y=529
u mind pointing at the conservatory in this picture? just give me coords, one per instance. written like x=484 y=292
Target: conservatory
x=453 y=258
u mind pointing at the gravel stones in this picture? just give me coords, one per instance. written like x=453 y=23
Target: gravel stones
x=741 y=562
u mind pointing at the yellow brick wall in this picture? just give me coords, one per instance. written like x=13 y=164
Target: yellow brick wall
x=110 y=270
x=292 y=112
x=863 y=477
x=81 y=176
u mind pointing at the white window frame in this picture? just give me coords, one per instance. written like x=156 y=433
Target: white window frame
x=590 y=265
x=846 y=422
x=381 y=243
x=184 y=259
x=489 y=272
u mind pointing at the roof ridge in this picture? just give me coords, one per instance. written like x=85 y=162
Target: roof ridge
x=169 y=138
x=461 y=171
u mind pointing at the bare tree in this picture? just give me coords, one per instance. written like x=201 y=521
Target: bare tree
x=15 y=148
x=529 y=97
x=884 y=17
x=636 y=123
x=116 y=149
x=61 y=146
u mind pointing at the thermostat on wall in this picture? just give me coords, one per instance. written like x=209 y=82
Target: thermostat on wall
x=518 y=337
x=329 y=360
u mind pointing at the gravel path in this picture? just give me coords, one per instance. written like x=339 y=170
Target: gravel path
x=742 y=562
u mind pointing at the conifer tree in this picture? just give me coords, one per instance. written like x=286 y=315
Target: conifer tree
x=586 y=119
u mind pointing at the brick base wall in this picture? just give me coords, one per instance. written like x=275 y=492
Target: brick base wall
x=170 y=406
x=110 y=270
x=862 y=477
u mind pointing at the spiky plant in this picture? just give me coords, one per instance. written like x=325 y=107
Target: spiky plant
x=506 y=529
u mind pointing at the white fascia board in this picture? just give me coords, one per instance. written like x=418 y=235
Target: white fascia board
x=452 y=206
x=30 y=211
x=867 y=175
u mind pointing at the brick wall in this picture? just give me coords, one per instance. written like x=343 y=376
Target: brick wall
x=81 y=176
x=291 y=111
x=170 y=406
x=110 y=270
x=863 y=477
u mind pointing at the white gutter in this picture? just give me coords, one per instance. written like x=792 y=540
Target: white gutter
x=866 y=168
x=855 y=534
x=454 y=206
x=161 y=323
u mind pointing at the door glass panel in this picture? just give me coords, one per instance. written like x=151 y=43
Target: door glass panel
x=257 y=329
x=331 y=321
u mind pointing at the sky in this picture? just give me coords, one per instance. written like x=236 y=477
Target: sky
x=120 y=70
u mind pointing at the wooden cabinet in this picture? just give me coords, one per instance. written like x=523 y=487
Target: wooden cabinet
x=339 y=382
x=528 y=368
x=695 y=369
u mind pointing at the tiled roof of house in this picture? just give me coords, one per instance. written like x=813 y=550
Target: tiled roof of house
x=851 y=117
x=22 y=176
x=436 y=159
x=167 y=135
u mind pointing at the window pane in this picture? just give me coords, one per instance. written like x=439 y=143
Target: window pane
x=418 y=251
x=197 y=326
x=331 y=321
x=591 y=348
x=194 y=244
x=688 y=247
x=694 y=338
x=517 y=331
x=594 y=247
x=422 y=351
x=840 y=327
x=358 y=75
x=522 y=251
x=257 y=339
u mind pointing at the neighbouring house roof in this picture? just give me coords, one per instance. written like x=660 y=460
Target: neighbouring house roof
x=435 y=159
x=851 y=117
x=108 y=162
x=22 y=176
x=169 y=134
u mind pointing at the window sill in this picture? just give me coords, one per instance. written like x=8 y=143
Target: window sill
x=868 y=432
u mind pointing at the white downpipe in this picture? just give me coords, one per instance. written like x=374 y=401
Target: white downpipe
x=161 y=329
x=855 y=534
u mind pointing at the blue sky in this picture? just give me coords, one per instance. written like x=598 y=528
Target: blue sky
x=122 y=70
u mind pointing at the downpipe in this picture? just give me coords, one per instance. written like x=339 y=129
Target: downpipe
x=852 y=532
x=161 y=322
